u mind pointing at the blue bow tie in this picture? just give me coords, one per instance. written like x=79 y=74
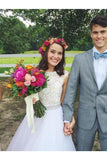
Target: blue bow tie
x=97 y=55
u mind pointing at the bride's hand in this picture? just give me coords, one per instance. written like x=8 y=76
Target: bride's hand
x=34 y=100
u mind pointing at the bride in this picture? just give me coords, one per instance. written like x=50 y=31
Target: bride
x=48 y=135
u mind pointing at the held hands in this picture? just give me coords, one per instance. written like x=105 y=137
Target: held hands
x=68 y=127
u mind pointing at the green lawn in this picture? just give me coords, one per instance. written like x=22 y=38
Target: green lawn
x=29 y=60
x=73 y=52
x=32 y=60
x=30 y=52
x=3 y=69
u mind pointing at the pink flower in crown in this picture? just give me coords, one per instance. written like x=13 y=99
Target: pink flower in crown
x=19 y=74
x=33 y=79
x=57 y=40
x=41 y=50
x=24 y=90
x=62 y=40
x=51 y=40
x=46 y=43
x=27 y=83
x=65 y=46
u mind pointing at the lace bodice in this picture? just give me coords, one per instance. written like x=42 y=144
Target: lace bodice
x=51 y=95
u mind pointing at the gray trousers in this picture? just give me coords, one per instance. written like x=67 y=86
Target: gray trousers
x=85 y=138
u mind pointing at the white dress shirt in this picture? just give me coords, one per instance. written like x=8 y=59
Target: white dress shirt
x=100 y=68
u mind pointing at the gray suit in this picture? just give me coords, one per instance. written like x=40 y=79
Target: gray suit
x=92 y=101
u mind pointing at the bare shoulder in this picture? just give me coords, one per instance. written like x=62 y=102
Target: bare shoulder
x=66 y=76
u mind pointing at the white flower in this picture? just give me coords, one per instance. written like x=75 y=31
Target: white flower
x=6 y=72
x=11 y=70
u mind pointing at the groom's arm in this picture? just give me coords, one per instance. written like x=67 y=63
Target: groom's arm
x=71 y=91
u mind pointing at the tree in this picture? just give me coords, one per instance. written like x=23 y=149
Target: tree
x=71 y=24
x=68 y=23
x=13 y=35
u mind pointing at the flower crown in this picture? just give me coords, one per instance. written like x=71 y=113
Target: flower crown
x=46 y=43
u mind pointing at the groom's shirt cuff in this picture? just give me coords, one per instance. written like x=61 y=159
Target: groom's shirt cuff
x=66 y=121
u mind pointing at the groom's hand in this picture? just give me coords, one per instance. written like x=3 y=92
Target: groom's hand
x=67 y=130
x=68 y=127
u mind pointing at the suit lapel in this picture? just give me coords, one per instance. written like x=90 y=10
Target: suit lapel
x=91 y=64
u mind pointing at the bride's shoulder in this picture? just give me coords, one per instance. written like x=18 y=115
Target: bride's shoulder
x=66 y=73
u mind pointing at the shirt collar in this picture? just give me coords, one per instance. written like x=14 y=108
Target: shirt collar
x=95 y=50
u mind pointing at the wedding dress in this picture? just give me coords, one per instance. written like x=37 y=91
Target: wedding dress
x=48 y=135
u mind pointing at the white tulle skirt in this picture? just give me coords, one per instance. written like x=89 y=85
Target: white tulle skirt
x=48 y=135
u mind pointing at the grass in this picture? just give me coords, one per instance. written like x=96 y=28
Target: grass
x=18 y=117
x=3 y=69
x=31 y=52
x=68 y=69
x=32 y=60
x=29 y=60
x=73 y=52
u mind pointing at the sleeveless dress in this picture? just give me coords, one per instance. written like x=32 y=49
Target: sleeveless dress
x=48 y=135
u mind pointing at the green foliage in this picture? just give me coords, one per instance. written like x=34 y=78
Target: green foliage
x=13 y=35
x=71 y=24
x=39 y=109
x=14 y=91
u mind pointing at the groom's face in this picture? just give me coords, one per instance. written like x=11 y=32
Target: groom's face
x=99 y=37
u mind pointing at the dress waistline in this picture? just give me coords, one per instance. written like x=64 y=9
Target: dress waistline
x=53 y=107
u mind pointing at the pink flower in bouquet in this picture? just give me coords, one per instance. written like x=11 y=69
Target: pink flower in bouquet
x=27 y=83
x=24 y=90
x=28 y=77
x=19 y=74
x=33 y=78
x=35 y=71
x=40 y=79
x=57 y=40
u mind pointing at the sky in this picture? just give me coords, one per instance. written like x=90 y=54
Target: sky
x=51 y=4
x=26 y=22
x=42 y=4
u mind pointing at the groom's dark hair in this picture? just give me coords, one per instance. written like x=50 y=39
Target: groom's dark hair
x=99 y=20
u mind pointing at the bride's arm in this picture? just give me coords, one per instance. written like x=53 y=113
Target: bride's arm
x=64 y=89
x=72 y=123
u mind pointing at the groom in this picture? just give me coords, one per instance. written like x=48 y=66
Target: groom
x=89 y=70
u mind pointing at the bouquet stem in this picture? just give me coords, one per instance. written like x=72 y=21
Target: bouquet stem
x=39 y=109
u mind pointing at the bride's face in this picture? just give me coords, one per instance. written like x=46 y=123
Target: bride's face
x=55 y=54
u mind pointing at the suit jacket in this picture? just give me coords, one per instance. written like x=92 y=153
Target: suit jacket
x=92 y=101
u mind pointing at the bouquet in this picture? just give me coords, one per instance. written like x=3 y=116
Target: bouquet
x=27 y=81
